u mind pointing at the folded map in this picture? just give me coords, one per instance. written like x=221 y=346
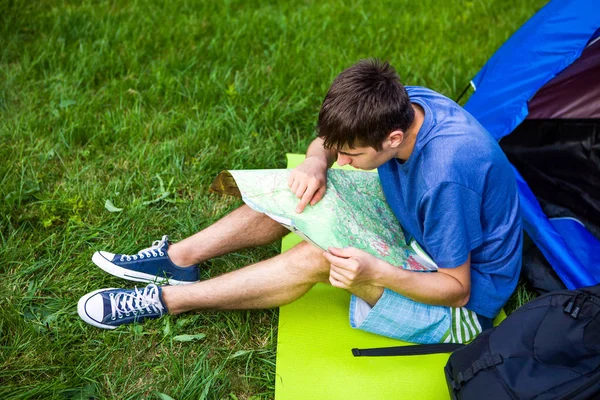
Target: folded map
x=353 y=212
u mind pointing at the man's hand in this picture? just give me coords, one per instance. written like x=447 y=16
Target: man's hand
x=352 y=268
x=308 y=181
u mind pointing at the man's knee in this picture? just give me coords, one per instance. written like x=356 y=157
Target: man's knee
x=310 y=258
x=309 y=250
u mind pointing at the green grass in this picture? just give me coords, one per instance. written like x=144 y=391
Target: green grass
x=110 y=100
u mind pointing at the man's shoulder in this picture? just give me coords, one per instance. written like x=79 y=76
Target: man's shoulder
x=458 y=159
x=421 y=91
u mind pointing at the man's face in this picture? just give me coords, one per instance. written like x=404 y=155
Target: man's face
x=365 y=158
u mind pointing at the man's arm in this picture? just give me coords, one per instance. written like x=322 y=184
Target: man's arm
x=448 y=287
x=308 y=181
x=356 y=270
x=316 y=149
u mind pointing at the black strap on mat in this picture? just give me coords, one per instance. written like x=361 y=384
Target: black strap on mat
x=416 y=350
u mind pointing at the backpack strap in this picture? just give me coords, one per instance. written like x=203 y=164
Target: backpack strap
x=416 y=350
x=486 y=362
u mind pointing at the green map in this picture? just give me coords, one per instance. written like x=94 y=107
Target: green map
x=353 y=212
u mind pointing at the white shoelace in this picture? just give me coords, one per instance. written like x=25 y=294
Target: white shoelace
x=136 y=302
x=154 y=251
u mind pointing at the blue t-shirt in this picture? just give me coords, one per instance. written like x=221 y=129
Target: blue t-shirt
x=457 y=194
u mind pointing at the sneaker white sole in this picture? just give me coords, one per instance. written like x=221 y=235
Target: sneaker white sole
x=129 y=275
x=84 y=315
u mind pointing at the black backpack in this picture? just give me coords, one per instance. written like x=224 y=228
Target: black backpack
x=547 y=349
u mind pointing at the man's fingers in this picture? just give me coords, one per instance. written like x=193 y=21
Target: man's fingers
x=335 y=283
x=335 y=260
x=337 y=279
x=301 y=190
x=306 y=197
x=338 y=252
x=331 y=258
x=295 y=185
x=341 y=274
x=346 y=252
x=304 y=201
x=318 y=195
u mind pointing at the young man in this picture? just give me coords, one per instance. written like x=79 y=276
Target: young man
x=445 y=179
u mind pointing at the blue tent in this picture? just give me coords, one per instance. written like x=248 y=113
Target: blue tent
x=557 y=142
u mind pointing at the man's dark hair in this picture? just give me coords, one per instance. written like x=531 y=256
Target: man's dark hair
x=365 y=103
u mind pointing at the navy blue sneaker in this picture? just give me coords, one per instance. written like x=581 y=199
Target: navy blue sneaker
x=109 y=308
x=149 y=265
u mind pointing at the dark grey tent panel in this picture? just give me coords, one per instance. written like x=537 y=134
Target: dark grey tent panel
x=560 y=159
x=574 y=93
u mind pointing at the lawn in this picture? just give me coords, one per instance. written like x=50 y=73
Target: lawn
x=142 y=103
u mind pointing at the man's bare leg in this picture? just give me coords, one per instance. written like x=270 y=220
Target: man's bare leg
x=270 y=283
x=369 y=293
x=238 y=230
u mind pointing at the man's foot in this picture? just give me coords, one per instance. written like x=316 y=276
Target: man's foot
x=149 y=265
x=109 y=308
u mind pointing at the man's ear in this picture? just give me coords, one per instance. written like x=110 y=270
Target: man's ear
x=396 y=138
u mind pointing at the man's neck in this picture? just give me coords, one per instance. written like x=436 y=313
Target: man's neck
x=410 y=136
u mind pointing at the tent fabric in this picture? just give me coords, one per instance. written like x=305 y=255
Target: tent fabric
x=540 y=50
x=560 y=160
x=545 y=45
x=539 y=274
x=574 y=92
x=595 y=36
x=552 y=244
x=583 y=244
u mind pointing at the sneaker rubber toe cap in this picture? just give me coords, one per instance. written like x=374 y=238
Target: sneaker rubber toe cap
x=91 y=309
x=94 y=307
x=105 y=254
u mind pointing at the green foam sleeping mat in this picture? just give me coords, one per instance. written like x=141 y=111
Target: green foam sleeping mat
x=315 y=361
